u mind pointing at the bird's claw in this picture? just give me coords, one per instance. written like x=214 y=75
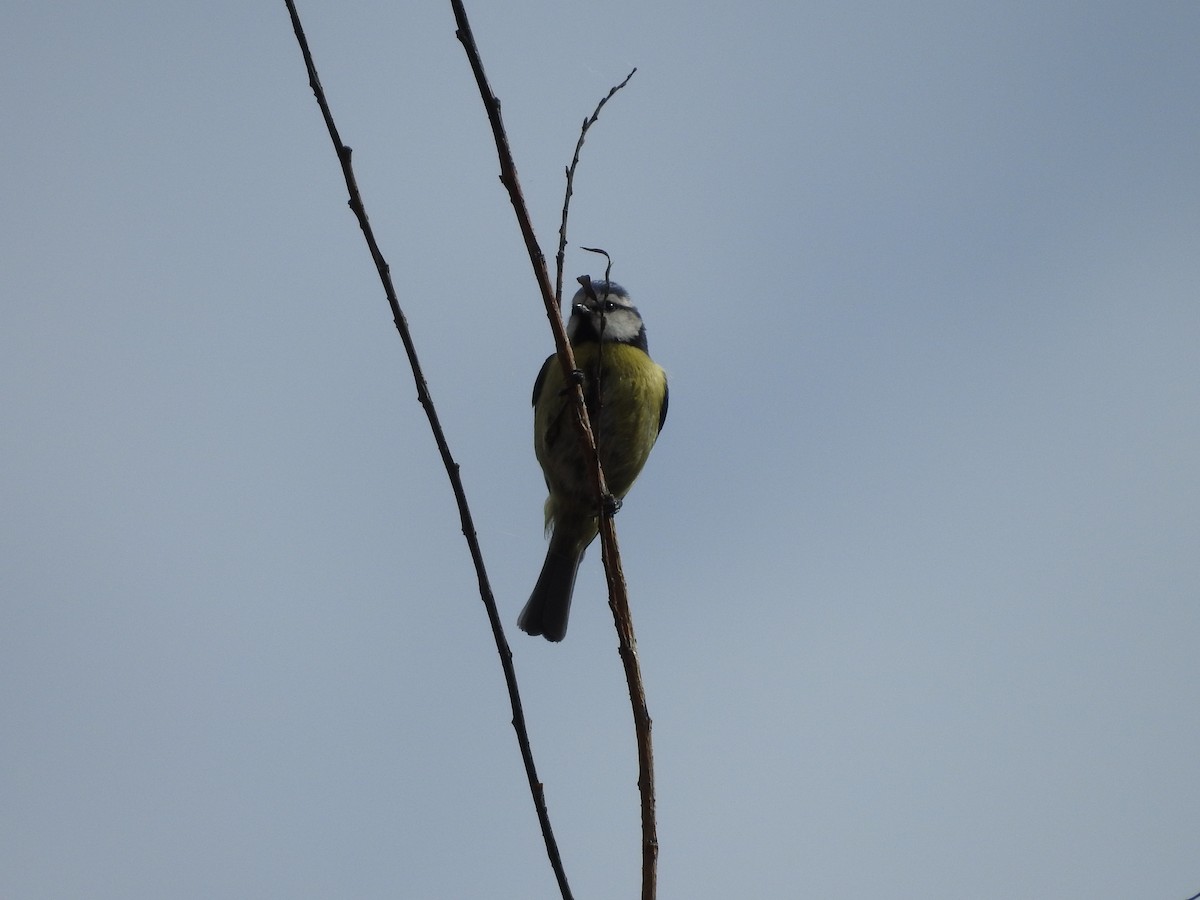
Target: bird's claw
x=577 y=377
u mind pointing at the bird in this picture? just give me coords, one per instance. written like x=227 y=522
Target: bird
x=626 y=396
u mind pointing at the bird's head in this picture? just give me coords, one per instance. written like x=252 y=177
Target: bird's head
x=605 y=313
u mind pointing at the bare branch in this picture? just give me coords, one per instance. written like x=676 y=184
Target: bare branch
x=452 y=468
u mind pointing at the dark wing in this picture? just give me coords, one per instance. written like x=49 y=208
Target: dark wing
x=662 y=412
x=541 y=378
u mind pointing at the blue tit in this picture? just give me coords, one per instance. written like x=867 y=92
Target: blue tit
x=626 y=395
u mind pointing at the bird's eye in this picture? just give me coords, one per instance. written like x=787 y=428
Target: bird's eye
x=609 y=306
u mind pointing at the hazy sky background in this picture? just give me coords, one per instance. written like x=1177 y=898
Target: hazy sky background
x=915 y=565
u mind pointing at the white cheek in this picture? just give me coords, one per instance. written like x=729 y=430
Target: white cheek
x=621 y=327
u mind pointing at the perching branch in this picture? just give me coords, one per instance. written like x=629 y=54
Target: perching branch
x=452 y=469
x=618 y=602
x=618 y=594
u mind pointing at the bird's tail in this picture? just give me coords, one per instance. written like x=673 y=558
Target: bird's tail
x=550 y=603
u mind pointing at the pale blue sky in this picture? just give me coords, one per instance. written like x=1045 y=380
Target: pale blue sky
x=915 y=565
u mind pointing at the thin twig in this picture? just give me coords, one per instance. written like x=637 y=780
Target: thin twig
x=561 y=256
x=618 y=595
x=607 y=262
x=452 y=468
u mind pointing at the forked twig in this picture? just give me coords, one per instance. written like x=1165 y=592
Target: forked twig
x=452 y=469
